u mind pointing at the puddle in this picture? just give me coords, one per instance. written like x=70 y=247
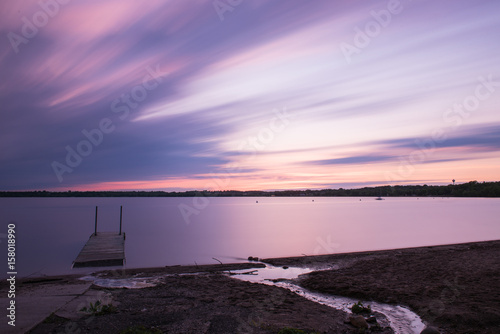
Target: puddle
x=401 y=319
x=128 y=283
x=269 y=273
x=131 y=282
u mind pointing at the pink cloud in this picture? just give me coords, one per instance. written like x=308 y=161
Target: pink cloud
x=84 y=22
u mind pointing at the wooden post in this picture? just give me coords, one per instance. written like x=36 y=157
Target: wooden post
x=121 y=208
x=95 y=229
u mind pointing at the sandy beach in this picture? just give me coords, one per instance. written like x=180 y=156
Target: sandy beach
x=454 y=288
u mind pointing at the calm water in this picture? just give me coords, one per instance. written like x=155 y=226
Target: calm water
x=51 y=231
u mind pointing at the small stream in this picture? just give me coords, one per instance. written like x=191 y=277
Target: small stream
x=401 y=319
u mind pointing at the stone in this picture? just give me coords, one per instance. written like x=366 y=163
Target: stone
x=430 y=330
x=358 y=321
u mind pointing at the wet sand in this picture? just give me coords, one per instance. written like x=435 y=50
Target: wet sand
x=455 y=288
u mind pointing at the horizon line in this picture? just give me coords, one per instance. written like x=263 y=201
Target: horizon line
x=244 y=191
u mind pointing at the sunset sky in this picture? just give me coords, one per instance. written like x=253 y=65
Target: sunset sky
x=250 y=94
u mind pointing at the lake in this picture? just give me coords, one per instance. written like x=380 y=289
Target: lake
x=50 y=232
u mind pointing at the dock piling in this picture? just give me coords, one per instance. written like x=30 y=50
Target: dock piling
x=95 y=229
x=121 y=208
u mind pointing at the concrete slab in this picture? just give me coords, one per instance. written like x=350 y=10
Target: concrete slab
x=35 y=302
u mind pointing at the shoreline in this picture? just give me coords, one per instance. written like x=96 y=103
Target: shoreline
x=326 y=258
x=488 y=189
x=315 y=261
x=453 y=287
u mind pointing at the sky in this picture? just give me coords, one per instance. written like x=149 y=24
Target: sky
x=247 y=95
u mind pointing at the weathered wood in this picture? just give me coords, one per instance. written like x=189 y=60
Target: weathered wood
x=95 y=229
x=101 y=250
x=121 y=211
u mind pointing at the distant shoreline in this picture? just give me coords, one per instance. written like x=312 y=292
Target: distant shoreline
x=469 y=189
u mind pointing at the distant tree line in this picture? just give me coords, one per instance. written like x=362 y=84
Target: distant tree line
x=470 y=189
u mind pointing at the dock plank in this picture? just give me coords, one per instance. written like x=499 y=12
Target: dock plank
x=101 y=250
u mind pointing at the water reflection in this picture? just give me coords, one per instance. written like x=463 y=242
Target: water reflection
x=52 y=231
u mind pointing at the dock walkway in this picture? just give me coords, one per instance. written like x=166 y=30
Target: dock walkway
x=101 y=250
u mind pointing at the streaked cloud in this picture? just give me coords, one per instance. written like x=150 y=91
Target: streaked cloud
x=222 y=82
x=353 y=160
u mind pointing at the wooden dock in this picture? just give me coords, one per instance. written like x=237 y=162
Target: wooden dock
x=101 y=250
